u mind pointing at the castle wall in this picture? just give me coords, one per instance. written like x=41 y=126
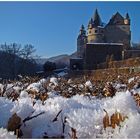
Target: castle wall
x=94 y=38
x=96 y=53
x=81 y=50
x=76 y=64
x=131 y=54
x=81 y=43
x=118 y=34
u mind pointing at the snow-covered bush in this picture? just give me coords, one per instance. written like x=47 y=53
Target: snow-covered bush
x=80 y=114
x=4 y=134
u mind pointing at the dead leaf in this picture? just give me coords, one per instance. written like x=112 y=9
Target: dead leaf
x=14 y=124
x=73 y=135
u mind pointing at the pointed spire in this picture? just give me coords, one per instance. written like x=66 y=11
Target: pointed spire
x=127 y=16
x=95 y=13
x=96 y=18
x=127 y=19
x=82 y=30
x=91 y=21
x=82 y=27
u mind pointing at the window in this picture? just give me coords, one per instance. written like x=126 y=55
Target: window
x=96 y=31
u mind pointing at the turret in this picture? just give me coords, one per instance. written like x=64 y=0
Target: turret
x=127 y=19
x=95 y=29
x=82 y=30
x=90 y=24
x=81 y=42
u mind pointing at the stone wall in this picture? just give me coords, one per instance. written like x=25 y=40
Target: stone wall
x=76 y=64
x=97 y=53
x=118 y=34
x=131 y=54
x=131 y=62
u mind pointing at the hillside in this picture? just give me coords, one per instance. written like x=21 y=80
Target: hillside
x=12 y=65
x=60 y=59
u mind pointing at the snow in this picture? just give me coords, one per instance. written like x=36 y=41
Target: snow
x=17 y=89
x=23 y=107
x=4 y=134
x=24 y=94
x=43 y=81
x=1 y=87
x=37 y=86
x=120 y=87
x=131 y=79
x=61 y=74
x=88 y=84
x=5 y=108
x=69 y=81
x=54 y=81
x=81 y=112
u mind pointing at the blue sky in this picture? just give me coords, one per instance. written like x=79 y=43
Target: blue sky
x=52 y=27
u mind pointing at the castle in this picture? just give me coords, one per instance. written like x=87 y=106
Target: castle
x=102 y=40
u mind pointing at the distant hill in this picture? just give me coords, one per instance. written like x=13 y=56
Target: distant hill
x=59 y=60
x=64 y=58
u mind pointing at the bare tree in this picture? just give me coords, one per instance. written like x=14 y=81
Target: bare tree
x=28 y=51
x=16 y=59
x=13 y=48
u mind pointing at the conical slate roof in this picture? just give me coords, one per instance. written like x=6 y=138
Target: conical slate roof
x=91 y=21
x=96 y=19
x=82 y=31
x=127 y=16
x=82 y=27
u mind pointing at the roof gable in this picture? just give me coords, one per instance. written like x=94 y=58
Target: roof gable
x=116 y=19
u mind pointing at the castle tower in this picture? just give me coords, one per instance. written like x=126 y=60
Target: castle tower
x=127 y=23
x=81 y=42
x=118 y=30
x=127 y=19
x=95 y=29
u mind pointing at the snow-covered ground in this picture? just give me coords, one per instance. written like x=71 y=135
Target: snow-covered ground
x=80 y=115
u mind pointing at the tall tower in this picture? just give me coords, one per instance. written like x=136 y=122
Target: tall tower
x=118 y=30
x=127 y=19
x=127 y=23
x=95 y=29
x=81 y=42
